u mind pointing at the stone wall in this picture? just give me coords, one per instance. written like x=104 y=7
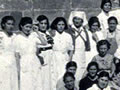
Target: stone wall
x=50 y=8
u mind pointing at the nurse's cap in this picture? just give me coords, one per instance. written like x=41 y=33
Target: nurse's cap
x=80 y=14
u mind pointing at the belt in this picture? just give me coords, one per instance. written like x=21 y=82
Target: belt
x=45 y=48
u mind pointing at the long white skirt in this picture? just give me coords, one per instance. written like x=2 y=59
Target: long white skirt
x=30 y=73
x=80 y=59
x=8 y=72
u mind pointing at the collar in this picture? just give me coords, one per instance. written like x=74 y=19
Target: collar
x=95 y=87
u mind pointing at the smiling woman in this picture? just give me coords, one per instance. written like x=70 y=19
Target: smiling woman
x=102 y=82
x=29 y=67
x=90 y=78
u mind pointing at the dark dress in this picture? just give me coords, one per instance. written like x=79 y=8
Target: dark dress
x=86 y=83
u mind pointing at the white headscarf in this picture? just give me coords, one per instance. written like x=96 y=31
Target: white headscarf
x=80 y=14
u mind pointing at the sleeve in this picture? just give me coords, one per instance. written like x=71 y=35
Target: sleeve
x=70 y=43
x=81 y=85
x=16 y=44
x=35 y=36
x=94 y=59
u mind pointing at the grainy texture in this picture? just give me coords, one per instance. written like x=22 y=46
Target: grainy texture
x=50 y=8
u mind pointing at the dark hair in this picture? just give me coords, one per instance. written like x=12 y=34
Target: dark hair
x=92 y=20
x=103 y=42
x=24 y=21
x=70 y=64
x=105 y=1
x=67 y=74
x=5 y=19
x=112 y=18
x=117 y=70
x=41 y=18
x=103 y=74
x=92 y=64
x=55 y=22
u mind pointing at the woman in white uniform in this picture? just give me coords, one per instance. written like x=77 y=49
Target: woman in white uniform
x=28 y=63
x=95 y=35
x=8 y=68
x=106 y=6
x=81 y=40
x=46 y=53
x=62 y=48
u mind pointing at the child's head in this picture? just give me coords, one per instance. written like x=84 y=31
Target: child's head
x=71 y=67
x=112 y=23
x=43 y=23
x=102 y=47
x=94 y=24
x=106 y=5
x=35 y=26
x=59 y=24
x=69 y=80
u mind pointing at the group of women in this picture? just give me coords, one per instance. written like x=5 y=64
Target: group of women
x=40 y=53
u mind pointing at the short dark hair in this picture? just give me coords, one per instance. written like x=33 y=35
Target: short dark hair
x=55 y=22
x=68 y=74
x=5 y=19
x=103 y=74
x=103 y=42
x=41 y=18
x=92 y=20
x=92 y=64
x=112 y=18
x=70 y=64
x=105 y=1
x=24 y=21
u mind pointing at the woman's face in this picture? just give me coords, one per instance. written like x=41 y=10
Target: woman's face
x=26 y=29
x=78 y=22
x=72 y=69
x=43 y=25
x=60 y=26
x=112 y=25
x=9 y=25
x=94 y=27
x=103 y=50
x=92 y=71
x=107 y=7
x=103 y=82
x=69 y=83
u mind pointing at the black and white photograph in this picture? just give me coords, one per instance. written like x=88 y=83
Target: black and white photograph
x=59 y=44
